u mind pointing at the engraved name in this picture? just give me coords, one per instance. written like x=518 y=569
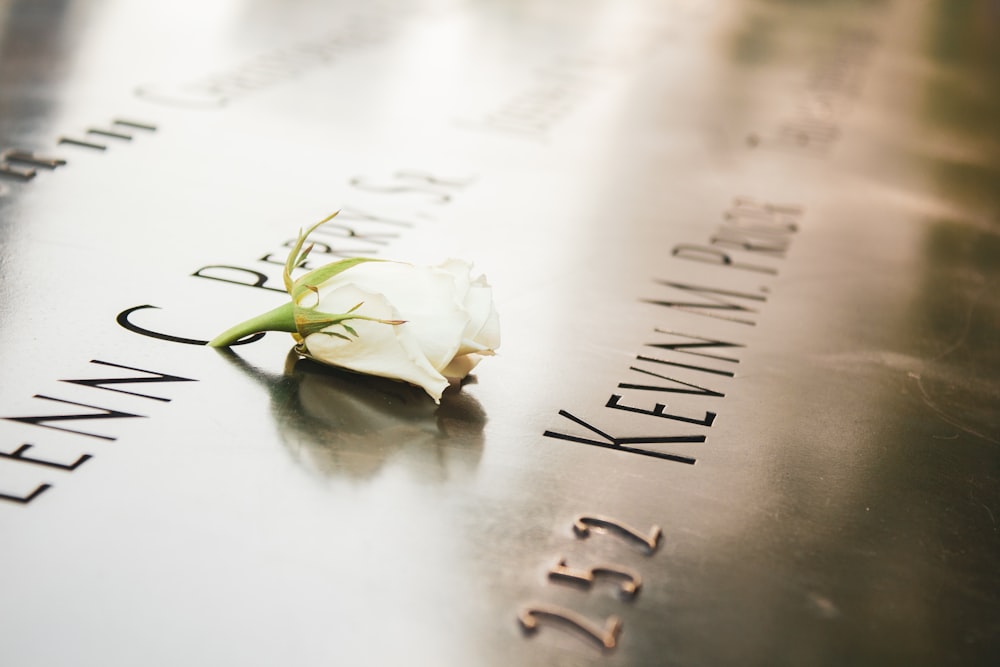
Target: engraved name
x=269 y=69
x=355 y=232
x=22 y=165
x=52 y=459
x=676 y=363
x=552 y=95
x=811 y=125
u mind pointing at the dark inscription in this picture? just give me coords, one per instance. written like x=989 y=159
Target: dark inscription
x=23 y=165
x=812 y=125
x=95 y=412
x=752 y=229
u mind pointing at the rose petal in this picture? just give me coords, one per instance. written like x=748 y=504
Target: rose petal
x=385 y=350
x=482 y=334
x=482 y=331
x=461 y=366
x=423 y=296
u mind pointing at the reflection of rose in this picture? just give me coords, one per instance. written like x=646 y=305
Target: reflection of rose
x=340 y=423
x=448 y=322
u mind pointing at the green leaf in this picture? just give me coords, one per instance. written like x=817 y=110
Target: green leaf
x=296 y=256
x=319 y=276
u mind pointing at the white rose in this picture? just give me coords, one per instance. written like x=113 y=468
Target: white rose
x=424 y=325
x=448 y=324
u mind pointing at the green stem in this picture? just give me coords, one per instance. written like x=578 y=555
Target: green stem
x=281 y=318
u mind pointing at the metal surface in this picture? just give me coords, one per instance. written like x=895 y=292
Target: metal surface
x=746 y=258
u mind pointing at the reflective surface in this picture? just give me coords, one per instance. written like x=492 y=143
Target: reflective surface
x=746 y=258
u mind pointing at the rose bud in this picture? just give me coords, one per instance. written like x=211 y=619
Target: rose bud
x=419 y=324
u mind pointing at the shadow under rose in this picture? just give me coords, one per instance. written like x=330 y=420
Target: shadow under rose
x=339 y=423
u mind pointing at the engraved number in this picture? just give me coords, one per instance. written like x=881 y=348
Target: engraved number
x=583 y=524
x=530 y=617
x=629 y=585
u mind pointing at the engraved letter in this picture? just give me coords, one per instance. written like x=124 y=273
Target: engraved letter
x=742 y=240
x=715 y=301
x=657 y=411
x=347 y=214
x=105 y=413
x=159 y=377
x=253 y=279
x=24 y=500
x=18 y=455
x=699 y=253
x=621 y=444
x=124 y=321
x=189 y=97
x=705 y=342
x=690 y=388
